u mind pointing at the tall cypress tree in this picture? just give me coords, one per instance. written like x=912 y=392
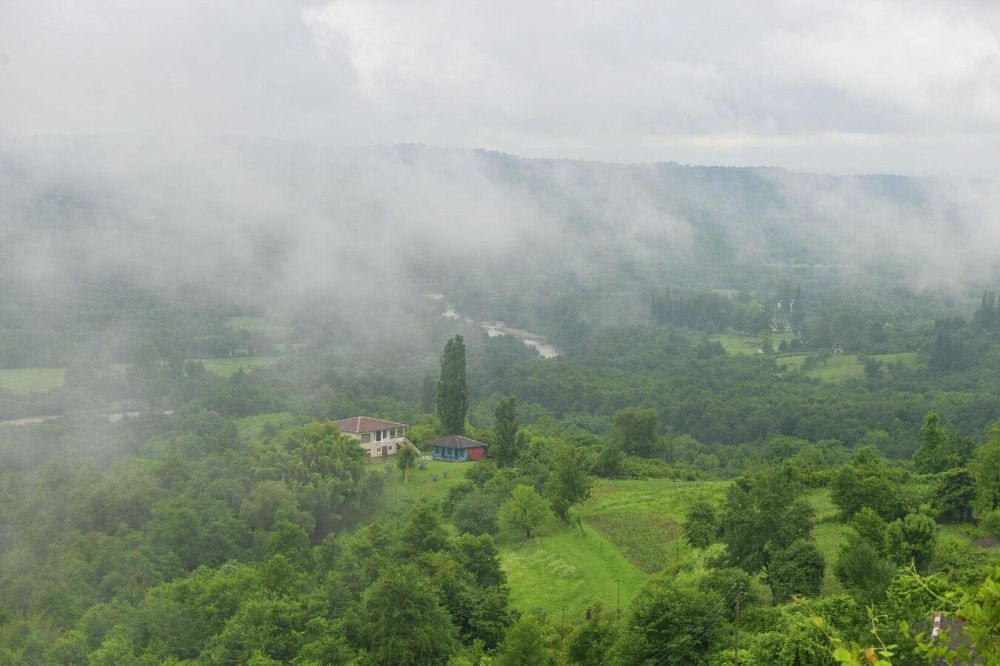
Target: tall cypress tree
x=452 y=391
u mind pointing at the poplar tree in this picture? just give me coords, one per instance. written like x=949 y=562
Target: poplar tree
x=505 y=445
x=452 y=391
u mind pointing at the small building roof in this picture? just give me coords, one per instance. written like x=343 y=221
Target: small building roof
x=457 y=441
x=359 y=424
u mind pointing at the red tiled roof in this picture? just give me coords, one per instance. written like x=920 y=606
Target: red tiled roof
x=457 y=441
x=360 y=424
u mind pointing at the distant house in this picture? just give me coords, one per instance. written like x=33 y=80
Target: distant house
x=457 y=448
x=378 y=438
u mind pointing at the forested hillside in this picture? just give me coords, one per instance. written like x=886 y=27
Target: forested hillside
x=744 y=425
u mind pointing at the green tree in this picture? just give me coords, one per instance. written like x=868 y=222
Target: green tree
x=590 y=642
x=911 y=539
x=671 y=624
x=934 y=453
x=610 y=460
x=505 y=441
x=568 y=482
x=701 y=524
x=862 y=570
x=476 y=513
x=870 y=527
x=524 y=510
x=986 y=468
x=763 y=513
x=423 y=531
x=525 y=644
x=636 y=431
x=402 y=620
x=873 y=368
x=869 y=481
x=734 y=585
x=406 y=460
x=954 y=494
x=452 y=390
x=796 y=569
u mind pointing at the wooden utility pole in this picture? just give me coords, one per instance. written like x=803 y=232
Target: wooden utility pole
x=739 y=591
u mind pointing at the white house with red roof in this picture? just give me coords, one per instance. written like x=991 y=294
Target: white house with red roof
x=378 y=438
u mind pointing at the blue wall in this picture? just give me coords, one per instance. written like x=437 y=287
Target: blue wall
x=449 y=453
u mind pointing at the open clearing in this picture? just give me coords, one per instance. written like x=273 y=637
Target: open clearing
x=30 y=380
x=837 y=367
x=225 y=367
x=739 y=343
x=841 y=367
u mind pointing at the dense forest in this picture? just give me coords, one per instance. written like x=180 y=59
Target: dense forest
x=839 y=454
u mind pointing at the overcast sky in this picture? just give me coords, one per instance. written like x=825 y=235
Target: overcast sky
x=904 y=87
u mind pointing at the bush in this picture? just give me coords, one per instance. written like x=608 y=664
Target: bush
x=990 y=522
x=797 y=569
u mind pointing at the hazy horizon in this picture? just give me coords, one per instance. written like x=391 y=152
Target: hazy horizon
x=877 y=87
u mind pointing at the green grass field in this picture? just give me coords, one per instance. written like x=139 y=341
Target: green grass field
x=562 y=569
x=628 y=530
x=843 y=366
x=30 y=380
x=738 y=343
x=225 y=367
x=431 y=483
x=252 y=324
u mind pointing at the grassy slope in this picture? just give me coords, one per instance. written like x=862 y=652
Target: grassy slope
x=565 y=569
x=630 y=530
x=431 y=483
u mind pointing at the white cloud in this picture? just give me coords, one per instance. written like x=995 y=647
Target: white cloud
x=911 y=87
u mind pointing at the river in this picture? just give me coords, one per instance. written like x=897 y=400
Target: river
x=494 y=329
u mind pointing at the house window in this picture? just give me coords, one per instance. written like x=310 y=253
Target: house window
x=367 y=437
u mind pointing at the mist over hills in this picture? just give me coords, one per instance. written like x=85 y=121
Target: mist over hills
x=280 y=218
